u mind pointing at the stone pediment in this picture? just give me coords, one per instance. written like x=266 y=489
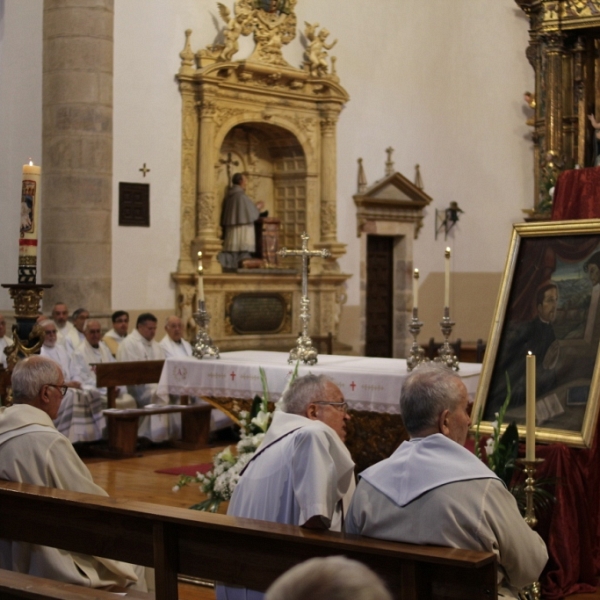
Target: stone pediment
x=393 y=198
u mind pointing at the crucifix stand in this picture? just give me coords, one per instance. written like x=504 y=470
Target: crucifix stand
x=228 y=164
x=304 y=350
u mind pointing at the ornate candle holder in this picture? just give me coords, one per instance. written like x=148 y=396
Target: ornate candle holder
x=417 y=354
x=203 y=346
x=533 y=591
x=446 y=353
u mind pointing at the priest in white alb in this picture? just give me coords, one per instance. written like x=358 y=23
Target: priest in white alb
x=434 y=491
x=90 y=352
x=140 y=345
x=113 y=338
x=80 y=415
x=75 y=335
x=302 y=473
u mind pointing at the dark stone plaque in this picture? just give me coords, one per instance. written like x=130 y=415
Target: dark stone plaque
x=134 y=204
x=258 y=313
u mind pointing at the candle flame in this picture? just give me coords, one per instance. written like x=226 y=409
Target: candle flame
x=199 y=254
x=30 y=163
x=529 y=353
x=416 y=273
x=448 y=251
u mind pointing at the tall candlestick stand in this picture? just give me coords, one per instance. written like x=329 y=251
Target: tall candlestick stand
x=446 y=353
x=417 y=354
x=304 y=350
x=203 y=346
x=533 y=591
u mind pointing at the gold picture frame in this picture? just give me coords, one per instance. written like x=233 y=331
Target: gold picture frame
x=549 y=303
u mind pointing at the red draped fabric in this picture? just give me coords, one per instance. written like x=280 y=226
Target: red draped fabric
x=577 y=195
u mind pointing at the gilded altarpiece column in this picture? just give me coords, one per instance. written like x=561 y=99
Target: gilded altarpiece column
x=563 y=51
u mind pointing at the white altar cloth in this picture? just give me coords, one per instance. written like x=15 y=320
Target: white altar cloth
x=369 y=384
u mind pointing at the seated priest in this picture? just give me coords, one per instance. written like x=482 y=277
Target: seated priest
x=141 y=345
x=75 y=336
x=302 y=474
x=93 y=351
x=112 y=338
x=33 y=451
x=5 y=341
x=173 y=345
x=80 y=415
x=60 y=316
x=434 y=491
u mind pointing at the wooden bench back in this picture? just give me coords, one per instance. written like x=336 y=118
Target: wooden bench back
x=128 y=373
x=239 y=551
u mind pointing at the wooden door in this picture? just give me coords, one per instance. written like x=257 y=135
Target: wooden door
x=380 y=295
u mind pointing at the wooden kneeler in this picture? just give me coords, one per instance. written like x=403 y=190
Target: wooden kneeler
x=122 y=424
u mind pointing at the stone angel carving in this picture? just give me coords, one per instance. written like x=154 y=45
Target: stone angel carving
x=316 y=52
x=234 y=27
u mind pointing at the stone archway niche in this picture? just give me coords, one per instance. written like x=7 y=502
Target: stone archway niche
x=279 y=123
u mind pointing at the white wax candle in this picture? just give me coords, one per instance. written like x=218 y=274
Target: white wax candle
x=416 y=288
x=29 y=222
x=447 y=278
x=530 y=407
x=200 y=278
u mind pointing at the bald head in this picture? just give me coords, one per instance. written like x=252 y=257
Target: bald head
x=174 y=328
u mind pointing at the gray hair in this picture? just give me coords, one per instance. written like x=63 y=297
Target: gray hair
x=332 y=578
x=87 y=323
x=79 y=311
x=304 y=390
x=30 y=374
x=427 y=392
x=46 y=322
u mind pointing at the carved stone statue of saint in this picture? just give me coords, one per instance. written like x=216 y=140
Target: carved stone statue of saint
x=237 y=219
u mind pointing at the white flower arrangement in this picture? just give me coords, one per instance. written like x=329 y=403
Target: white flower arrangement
x=219 y=483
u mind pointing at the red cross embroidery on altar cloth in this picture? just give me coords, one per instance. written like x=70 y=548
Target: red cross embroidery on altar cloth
x=232 y=375
x=353 y=385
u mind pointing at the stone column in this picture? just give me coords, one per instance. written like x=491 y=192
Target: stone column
x=328 y=178
x=77 y=142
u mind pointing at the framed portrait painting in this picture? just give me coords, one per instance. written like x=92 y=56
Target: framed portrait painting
x=549 y=305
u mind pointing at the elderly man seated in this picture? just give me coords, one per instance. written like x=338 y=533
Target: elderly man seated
x=80 y=416
x=112 y=338
x=60 y=316
x=302 y=474
x=434 y=491
x=173 y=345
x=33 y=451
x=92 y=351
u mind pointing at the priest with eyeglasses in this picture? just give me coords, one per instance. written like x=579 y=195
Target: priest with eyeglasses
x=302 y=473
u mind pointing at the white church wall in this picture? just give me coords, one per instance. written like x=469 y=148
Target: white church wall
x=441 y=82
x=20 y=121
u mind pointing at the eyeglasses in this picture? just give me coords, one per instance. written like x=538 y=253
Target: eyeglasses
x=341 y=406
x=50 y=330
x=63 y=388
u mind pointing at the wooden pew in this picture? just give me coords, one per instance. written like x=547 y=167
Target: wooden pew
x=16 y=586
x=240 y=551
x=122 y=425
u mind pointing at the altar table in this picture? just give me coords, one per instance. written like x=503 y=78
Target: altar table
x=368 y=384
x=371 y=386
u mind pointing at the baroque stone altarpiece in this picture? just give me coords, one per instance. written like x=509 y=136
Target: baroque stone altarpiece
x=277 y=124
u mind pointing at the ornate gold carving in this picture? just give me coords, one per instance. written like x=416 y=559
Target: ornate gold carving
x=224 y=114
x=208 y=109
x=186 y=55
x=272 y=22
x=23 y=349
x=316 y=52
x=26 y=301
x=206 y=206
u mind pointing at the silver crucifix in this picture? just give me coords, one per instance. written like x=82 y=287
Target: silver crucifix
x=304 y=349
